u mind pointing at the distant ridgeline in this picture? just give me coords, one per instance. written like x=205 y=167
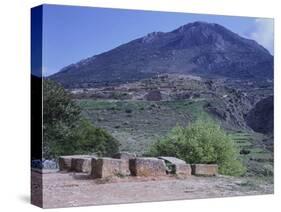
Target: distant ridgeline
x=198 y=48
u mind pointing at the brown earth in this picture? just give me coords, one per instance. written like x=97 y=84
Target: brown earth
x=73 y=189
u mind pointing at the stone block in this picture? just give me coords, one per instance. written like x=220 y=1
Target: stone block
x=109 y=167
x=182 y=169
x=81 y=164
x=204 y=169
x=65 y=163
x=147 y=167
x=177 y=166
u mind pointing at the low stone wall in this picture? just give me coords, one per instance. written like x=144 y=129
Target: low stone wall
x=204 y=169
x=147 y=167
x=125 y=164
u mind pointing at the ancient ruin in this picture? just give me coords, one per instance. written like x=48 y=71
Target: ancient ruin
x=128 y=164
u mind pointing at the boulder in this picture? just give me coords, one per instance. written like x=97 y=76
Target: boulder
x=177 y=166
x=147 y=167
x=204 y=169
x=109 y=167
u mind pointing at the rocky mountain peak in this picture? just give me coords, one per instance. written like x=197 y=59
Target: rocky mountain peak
x=198 y=48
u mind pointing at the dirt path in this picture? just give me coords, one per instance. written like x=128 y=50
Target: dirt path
x=68 y=189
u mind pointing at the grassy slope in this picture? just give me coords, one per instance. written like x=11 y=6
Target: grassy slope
x=136 y=124
x=257 y=158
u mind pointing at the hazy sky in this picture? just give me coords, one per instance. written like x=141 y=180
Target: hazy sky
x=74 y=33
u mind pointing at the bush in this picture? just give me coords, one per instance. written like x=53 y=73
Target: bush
x=65 y=131
x=93 y=139
x=201 y=142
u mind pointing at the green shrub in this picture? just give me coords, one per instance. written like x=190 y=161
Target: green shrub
x=201 y=142
x=93 y=140
x=65 y=131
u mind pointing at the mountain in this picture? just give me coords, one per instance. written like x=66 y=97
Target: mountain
x=199 y=48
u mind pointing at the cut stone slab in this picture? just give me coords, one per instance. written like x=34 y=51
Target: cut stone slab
x=65 y=162
x=204 y=169
x=81 y=164
x=109 y=167
x=177 y=166
x=182 y=169
x=145 y=166
x=125 y=155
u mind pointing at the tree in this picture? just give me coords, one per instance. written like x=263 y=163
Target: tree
x=66 y=131
x=201 y=142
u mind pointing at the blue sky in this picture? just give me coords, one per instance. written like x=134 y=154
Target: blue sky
x=74 y=33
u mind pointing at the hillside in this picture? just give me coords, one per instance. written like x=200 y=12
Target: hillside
x=198 y=48
x=138 y=114
x=260 y=118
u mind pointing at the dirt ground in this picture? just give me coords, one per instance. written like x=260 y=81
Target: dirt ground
x=72 y=189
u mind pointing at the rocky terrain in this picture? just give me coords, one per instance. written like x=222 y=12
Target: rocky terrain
x=199 y=48
x=260 y=118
